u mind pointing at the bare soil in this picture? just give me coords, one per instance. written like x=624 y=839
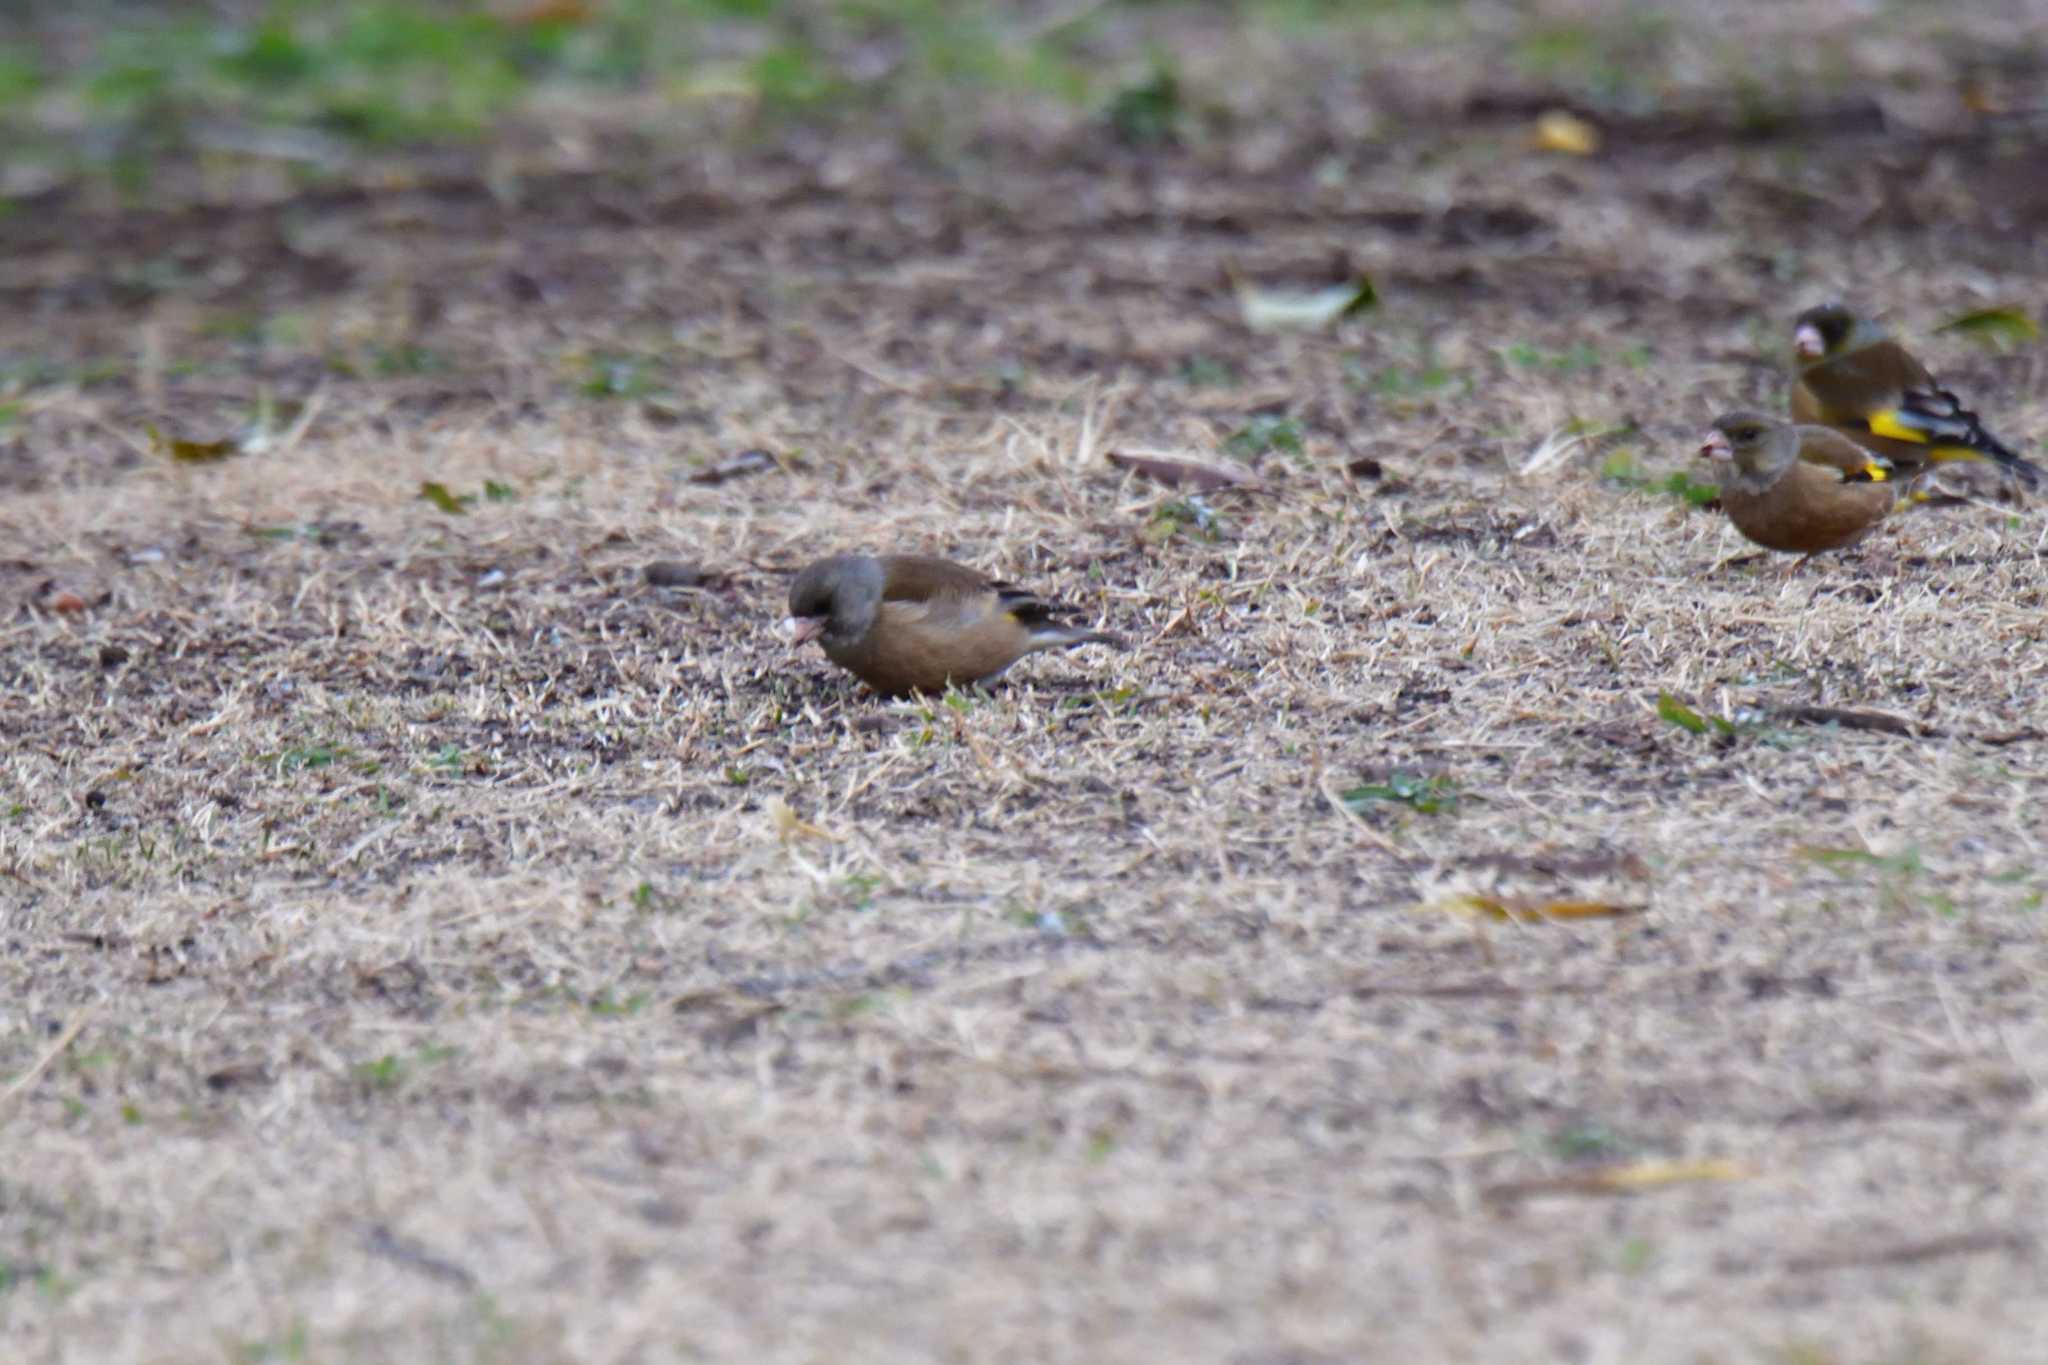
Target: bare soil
x=426 y=939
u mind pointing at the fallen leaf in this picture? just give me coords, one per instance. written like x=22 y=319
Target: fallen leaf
x=674 y=573
x=1631 y=1178
x=1878 y=721
x=70 y=603
x=1685 y=718
x=1267 y=310
x=1179 y=473
x=191 y=452
x=1528 y=909
x=1423 y=793
x=1995 y=325
x=789 y=825
x=1650 y=1175
x=1560 y=131
x=740 y=465
x=438 y=494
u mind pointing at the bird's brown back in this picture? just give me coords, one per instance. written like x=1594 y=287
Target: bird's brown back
x=920 y=578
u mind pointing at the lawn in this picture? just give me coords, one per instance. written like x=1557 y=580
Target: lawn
x=1491 y=913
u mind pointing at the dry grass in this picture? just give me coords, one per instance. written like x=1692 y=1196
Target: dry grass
x=425 y=940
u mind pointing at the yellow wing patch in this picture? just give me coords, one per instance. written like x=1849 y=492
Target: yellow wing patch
x=1887 y=423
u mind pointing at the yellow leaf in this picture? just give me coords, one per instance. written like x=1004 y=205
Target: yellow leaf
x=438 y=494
x=789 y=825
x=1635 y=1177
x=1529 y=909
x=191 y=452
x=1650 y=1175
x=1559 y=131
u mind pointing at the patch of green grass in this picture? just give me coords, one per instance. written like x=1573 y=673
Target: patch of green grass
x=455 y=761
x=1635 y=1256
x=303 y=757
x=1403 y=381
x=1578 y=358
x=386 y=72
x=1586 y=1142
x=1622 y=469
x=1608 y=62
x=391 y=1071
x=619 y=376
x=1902 y=880
x=1203 y=373
x=859 y=890
x=405 y=358
x=1148 y=112
x=1180 y=515
x=607 y=1006
x=1268 y=431
x=293 y=1344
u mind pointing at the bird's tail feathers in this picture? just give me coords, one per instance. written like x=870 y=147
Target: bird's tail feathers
x=1937 y=419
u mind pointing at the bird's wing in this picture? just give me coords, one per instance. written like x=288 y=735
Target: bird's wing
x=1832 y=450
x=923 y=578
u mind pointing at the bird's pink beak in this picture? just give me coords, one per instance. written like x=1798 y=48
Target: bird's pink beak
x=802 y=629
x=1806 y=342
x=1716 y=447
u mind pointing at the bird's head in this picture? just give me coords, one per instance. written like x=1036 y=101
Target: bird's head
x=1750 y=441
x=1830 y=330
x=835 y=599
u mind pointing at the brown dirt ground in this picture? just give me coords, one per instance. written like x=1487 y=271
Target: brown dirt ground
x=426 y=940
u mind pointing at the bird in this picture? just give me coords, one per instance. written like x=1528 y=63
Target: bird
x=916 y=623
x=1802 y=489
x=1855 y=378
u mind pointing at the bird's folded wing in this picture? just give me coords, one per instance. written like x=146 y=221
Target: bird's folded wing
x=1831 y=450
x=921 y=578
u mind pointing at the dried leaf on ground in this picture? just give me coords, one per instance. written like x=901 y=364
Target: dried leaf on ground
x=1176 y=472
x=1559 y=130
x=739 y=466
x=1636 y=1177
x=1528 y=909
x=1267 y=309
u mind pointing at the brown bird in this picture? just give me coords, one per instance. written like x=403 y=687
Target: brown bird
x=1803 y=489
x=1855 y=378
x=913 y=623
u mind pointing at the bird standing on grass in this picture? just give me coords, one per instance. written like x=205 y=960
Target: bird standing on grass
x=913 y=623
x=1802 y=489
x=1855 y=378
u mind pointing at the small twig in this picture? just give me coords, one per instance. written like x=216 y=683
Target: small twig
x=28 y=1078
x=1879 y=721
x=381 y=1241
x=1912 y=1253
x=1884 y=723
x=297 y=431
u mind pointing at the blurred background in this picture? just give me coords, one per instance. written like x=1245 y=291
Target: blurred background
x=376 y=193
